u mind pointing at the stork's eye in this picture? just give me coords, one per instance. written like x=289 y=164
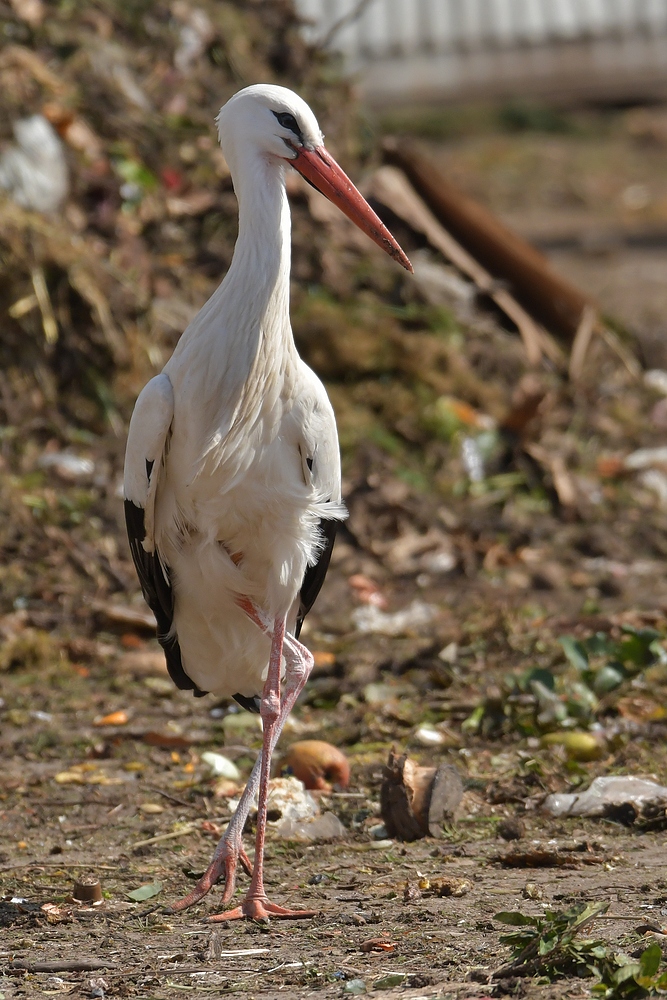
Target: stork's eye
x=288 y=121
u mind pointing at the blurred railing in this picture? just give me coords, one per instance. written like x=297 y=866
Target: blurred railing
x=405 y=48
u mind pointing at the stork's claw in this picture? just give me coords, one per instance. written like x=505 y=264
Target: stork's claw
x=260 y=909
x=223 y=864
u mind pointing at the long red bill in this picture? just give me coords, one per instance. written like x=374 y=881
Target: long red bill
x=319 y=167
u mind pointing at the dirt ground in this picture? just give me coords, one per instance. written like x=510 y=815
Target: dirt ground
x=81 y=798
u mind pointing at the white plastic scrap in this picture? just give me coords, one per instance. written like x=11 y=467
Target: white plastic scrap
x=34 y=171
x=441 y=284
x=194 y=35
x=646 y=458
x=370 y=619
x=428 y=736
x=656 y=379
x=473 y=461
x=221 y=766
x=656 y=481
x=66 y=465
x=617 y=790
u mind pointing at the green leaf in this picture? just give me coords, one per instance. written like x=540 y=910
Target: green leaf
x=647 y=635
x=575 y=651
x=629 y=971
x=515 y=918
x=545 y=677
x=517 y=941
x=474 y=720
x=146 y=891
x=607 y=678
x=649 y=961
x=548 y=942
x=600 y=645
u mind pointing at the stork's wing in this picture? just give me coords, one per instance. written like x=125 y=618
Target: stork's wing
x=144 y=465
x=320 y=464
x=314 y=576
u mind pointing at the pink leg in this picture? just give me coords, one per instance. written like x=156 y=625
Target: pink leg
x=230 y=849
x=256 y=904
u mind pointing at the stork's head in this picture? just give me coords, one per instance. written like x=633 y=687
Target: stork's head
x=279 y=125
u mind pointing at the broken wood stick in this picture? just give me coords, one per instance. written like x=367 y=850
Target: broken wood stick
x=71 y=965
x=546 y=295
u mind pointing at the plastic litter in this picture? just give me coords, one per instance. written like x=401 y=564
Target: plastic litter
x=66 y=465
x=656 y=379
x=472 y=459
x=195 y=33
x=34 y=171
x=324 y=827
x=415 y=616
x=354 y=987
x=221 y=766
x=441 y=285
x=656 y=481
x=646 y=458
x=606 y=793
x=427 y=736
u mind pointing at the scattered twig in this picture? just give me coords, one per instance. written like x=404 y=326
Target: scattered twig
x=44 y=301
x=613 y=342
x=59 y=864
x=170 y=797
x=582 y=339
x=192 y=828
x=71 y=965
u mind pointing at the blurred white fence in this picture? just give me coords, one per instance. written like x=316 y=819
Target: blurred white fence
x=406 y=49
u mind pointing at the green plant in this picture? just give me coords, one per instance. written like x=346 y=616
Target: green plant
x=549 y=946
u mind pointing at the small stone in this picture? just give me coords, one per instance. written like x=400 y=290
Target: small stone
x=151 y=808
x=411 y=892
x=511 y=829
x=532 y=890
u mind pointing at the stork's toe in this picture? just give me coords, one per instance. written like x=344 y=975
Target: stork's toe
x=260 y=909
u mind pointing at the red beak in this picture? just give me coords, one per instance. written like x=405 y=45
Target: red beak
x=319 y=167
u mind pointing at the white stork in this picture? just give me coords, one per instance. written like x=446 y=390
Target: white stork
x=232 y=470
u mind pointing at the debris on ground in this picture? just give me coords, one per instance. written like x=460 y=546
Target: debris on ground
x=621 y=797
x=317 y=764
x=415 y=801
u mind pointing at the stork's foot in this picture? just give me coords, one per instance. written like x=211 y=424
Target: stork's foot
x=261 y=909
x=223 y=864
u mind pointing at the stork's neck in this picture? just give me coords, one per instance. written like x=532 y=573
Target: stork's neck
x=262 y=256
x=247 y=317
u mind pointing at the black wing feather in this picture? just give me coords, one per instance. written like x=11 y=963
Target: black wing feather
x=159 y=595
x=314 y=576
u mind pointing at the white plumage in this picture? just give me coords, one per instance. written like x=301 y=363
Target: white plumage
x=232 y=471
